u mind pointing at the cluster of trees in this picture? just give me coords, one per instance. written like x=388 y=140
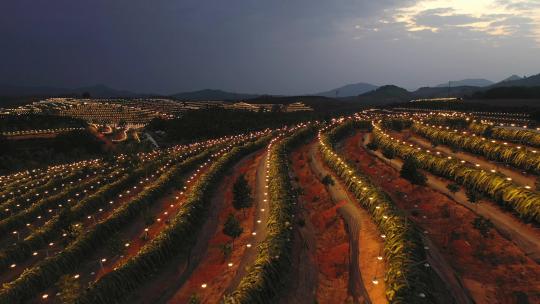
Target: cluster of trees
x=10 y=123
x=409 y=170
x=36 y=153
x=242 y=200
x=216 y=122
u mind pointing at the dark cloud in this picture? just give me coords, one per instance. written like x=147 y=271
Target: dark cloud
x=279 y=46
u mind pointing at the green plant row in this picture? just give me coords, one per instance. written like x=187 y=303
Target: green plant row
x=20 y=182
x=268 y=275
x=524 y=136
x=20 y=219
x=54 y=227
x=48 y=271
x=25 y=199
x=519 y=158
x=522 y=201
x=406 y=279
x=176 y=239
x=453 y=122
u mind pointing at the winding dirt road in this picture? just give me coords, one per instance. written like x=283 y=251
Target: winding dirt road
x=353 y=217
x=262 y=213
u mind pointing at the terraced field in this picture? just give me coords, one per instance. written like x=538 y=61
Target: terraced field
x=371 y=208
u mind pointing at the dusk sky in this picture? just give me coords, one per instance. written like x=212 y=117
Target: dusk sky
x=257 y=46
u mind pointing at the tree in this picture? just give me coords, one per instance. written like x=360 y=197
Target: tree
x=327 y=180
x=69 y=288
x=372 y=146
x=472 y=195
x=194 y=299
x=242 y=198
x=388 y=153
x=453 y=188
x=410 y=171
x=483 y=225
x=232 y=227
x=275 y=108
x=226 y=249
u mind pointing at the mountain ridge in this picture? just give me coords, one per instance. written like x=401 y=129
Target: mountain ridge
x=348 y=90
x=473 y=82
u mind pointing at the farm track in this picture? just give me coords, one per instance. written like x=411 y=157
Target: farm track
x=261 y=203
x=354 y=219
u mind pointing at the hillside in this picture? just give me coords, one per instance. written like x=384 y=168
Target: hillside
x=474 y=82
x=431 y=92
x=509 y=93
x=512 y=78
x=349 y=90
x=532 y=81
x=318 y=103
x=209 y=94
x=384 y=95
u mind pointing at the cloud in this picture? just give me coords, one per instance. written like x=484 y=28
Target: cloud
x=497 y=19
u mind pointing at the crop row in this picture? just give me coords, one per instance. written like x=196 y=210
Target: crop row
x=47 y=202
x=524 y=202
x=70 y=214
x=176 y=239
x=406 y=281
x=525 y=136
x=268 y=275
x=49 y=270
x=515 y=156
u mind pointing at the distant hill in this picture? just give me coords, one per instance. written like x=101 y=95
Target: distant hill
x=461 y=91
x=509 y=93
x=349 y=90
x=472 y=82
x=532 y=81
x=100 y=91
x=512 y=78
x=212 y=95
x=318 y=103
x=383 y=95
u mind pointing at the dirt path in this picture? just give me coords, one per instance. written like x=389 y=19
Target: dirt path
x=517 y=176
x=355 y=218
x=259 y=222
x=524 y=236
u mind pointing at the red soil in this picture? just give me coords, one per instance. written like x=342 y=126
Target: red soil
x=214 y=269
x=493 y=269
x=332 y=243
